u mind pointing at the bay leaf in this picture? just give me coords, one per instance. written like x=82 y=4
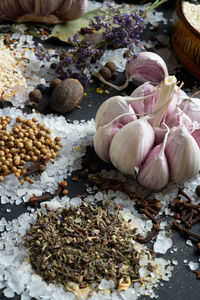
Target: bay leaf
x=65 y=30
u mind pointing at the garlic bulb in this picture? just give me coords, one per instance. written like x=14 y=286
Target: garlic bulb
x=154 y=173
x=103 y=138
x=191 y=106
x=183 y=155
x=147 y=66
x=112 y=108
x=47 y=11
x=131 y=144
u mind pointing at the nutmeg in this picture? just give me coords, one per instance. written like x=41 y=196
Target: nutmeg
x=105 y=73
x=111 y=66
x=66 y=95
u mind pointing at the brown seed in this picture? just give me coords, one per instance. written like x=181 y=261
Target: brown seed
x=65 y=192
x=2 y=178
x=114 y=75
x=112 y=66
x=19 y=119
x=63 y=183
x=105 y=73
x=35 y=95
x=197 y=190
x=54 y=83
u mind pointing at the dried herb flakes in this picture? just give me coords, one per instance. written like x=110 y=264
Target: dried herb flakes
x=84 y=245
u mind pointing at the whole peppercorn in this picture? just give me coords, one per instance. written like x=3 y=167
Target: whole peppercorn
x=54 y=83
x=112 y=66
x=114 y=75
x=35 y=95
x=197 y=190
x=105 y=73
x=66 y=95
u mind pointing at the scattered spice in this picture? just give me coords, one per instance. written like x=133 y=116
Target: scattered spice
x=29 y=141
x=66 y=95
x=35 y=200
x=105 y=73
x=112 y=66
x=197 y=190
x=83 y=245
x=54 y=83
x=35 y=95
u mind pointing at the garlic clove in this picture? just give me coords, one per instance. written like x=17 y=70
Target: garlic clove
x=154 y=173
x=159 y=134
x=112 y=108
x=183 y=155
x=103 y=138
x=145 y=106
x=178 y=117
x=196 y=136
x=147 y=66
x=191 y=106
x=131 y=144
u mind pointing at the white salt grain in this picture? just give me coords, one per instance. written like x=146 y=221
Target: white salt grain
x=189 y=243
x=162 y=243
x=193 y=266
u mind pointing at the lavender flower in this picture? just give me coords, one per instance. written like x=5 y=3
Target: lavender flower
x=118 y=29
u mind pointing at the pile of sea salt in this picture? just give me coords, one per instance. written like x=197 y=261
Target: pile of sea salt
x=17 y=275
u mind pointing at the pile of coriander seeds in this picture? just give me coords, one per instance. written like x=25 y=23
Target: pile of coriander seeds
x=26 y=141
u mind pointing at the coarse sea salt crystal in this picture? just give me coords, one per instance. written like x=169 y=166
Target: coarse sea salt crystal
x=189 y=243
x=106 y=284
x=193 y=266
x=162 y=243
x=175 y=262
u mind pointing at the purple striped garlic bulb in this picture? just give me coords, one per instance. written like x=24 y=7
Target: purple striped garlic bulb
x=45 y=11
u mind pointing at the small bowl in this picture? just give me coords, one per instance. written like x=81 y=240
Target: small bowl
x=186 y=42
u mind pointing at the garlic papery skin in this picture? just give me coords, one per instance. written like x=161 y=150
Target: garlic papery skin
x=147 y=66
x=103 y=138
x=177 y=98
x=191 y=106
x=145 y=106
x=112 y=108
x=131 y=144
x=183 y=155
x=154 y=173
x=163 y=101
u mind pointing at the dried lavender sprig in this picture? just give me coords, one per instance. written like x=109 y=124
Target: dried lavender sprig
x=120 y=29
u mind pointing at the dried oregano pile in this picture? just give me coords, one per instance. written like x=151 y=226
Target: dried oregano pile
x=84 y=245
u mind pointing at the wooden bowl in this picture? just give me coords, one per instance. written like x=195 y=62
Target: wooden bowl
x=186 y=42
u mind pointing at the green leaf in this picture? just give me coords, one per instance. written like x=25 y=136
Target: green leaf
x=68 y=29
